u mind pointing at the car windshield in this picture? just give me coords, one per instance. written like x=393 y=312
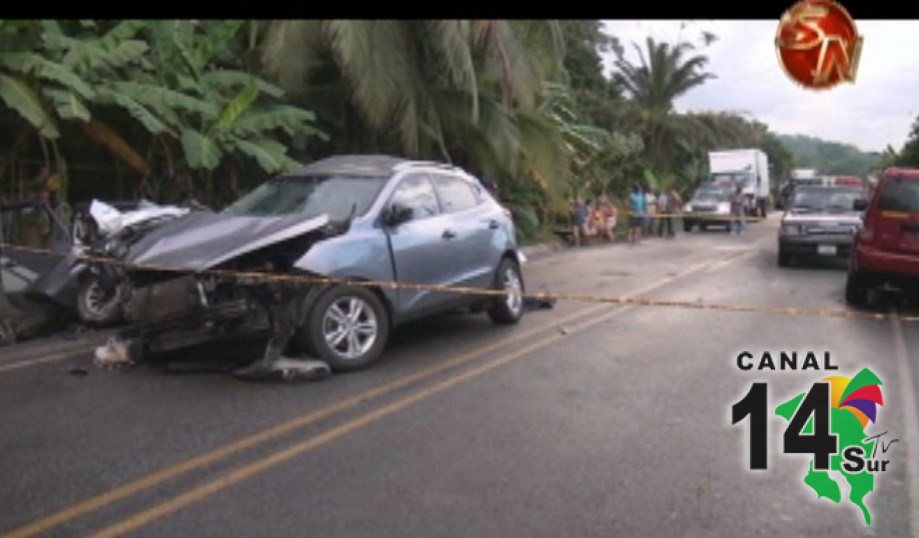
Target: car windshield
x=738 y=178
x=711 y=191
x=826 y=199
x=900 y=194
x=335 y=196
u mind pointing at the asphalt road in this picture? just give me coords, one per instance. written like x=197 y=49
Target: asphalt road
x=588 y=419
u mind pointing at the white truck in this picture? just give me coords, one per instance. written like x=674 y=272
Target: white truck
x=744 y=168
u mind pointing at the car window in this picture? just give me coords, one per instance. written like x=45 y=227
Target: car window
x=339 y=197
x=826 y=199
x=455 y=194
x=899 y=194
x=416 y=193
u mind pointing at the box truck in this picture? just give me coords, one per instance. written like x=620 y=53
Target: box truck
x=744 y=168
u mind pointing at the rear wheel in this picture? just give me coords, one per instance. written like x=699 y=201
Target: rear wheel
x=348 y=327
x=507 y=309
x=856 y=290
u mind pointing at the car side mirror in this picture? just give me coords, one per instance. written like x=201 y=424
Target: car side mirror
x=860 y=204
x=397 y=214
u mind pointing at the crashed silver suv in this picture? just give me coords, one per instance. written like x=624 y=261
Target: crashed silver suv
x=375 y=219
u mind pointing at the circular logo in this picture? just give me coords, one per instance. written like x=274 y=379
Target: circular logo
x=817 y=44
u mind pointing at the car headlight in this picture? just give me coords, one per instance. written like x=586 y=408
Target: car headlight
x=687 y=208
x=791 y=229
x=723 y=208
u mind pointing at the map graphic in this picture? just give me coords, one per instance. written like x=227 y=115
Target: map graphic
x=854 y=403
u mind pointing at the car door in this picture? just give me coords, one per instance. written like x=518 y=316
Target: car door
x=33 y=226
x=898 y=218
x=472 y=223
x=422 y=250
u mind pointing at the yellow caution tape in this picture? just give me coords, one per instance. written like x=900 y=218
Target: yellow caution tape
x=261 y=276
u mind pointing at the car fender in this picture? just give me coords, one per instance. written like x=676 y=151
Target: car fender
x=359 y=255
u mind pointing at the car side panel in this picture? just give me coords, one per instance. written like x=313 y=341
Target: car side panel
x=362 y=253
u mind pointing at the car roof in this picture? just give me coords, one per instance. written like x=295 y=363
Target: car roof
x=381 y=166
x=373 y=166
x=908 y=173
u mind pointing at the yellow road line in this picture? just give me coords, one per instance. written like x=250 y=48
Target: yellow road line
x=157 y=477
x=246 y=471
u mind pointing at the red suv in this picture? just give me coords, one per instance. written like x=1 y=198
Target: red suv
x=886 y=248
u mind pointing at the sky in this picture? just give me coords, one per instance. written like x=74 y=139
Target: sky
x=876 y=110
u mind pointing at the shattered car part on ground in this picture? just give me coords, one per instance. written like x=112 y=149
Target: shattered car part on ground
x=371 y=218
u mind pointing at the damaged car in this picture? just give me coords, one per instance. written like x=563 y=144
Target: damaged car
x=329 y=258
x=104 y=231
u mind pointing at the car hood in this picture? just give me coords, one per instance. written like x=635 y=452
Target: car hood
x=203 y=240
x=823 y=218
x=707 y=201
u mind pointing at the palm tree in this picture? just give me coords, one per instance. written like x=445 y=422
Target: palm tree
x=663 y=73
x=422 y=88
x=662 y=76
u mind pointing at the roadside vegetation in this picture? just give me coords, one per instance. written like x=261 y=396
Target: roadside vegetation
x=207 y=109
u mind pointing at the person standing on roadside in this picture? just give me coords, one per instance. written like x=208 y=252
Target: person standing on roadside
x=674 y=206
x=606 y=222
x=637 y=213
x=663 y=218
x=738 y=212
x=578 y=219
x=650 y=210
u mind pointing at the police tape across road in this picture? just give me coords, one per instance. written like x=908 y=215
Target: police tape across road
x=253 y=277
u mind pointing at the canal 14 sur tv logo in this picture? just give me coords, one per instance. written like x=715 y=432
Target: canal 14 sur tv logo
x=828 y=422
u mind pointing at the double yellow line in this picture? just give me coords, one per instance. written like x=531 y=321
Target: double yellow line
x=240 y=473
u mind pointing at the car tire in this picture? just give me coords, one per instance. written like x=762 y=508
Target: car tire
x=93 y=308
x=333 y=327
x=856 y=290
x=506 y=310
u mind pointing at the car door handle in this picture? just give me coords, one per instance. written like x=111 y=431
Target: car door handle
x=493 y=224
x=448 y=234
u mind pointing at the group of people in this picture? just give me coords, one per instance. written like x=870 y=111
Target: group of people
x=650 y=211
x=589 y=221
x=649 y=207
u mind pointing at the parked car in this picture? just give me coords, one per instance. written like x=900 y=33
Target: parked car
x=710 y=205
x=886 y=248
x=819 y=223
x=348 y=218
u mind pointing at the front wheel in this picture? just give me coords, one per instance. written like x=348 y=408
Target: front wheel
x=507 y=309
x=348 y=327
x=97 y=305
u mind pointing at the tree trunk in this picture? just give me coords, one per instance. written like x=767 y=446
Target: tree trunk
x=113 y=142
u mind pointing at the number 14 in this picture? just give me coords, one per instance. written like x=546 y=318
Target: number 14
x=817 y=403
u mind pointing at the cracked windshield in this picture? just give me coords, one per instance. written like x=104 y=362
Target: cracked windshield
x=326 y=277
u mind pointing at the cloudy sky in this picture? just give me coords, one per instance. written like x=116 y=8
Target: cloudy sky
x=878 y=109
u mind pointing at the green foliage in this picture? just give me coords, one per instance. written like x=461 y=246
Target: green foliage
x=909 y=154
x=832 y=158
x=174 y=85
